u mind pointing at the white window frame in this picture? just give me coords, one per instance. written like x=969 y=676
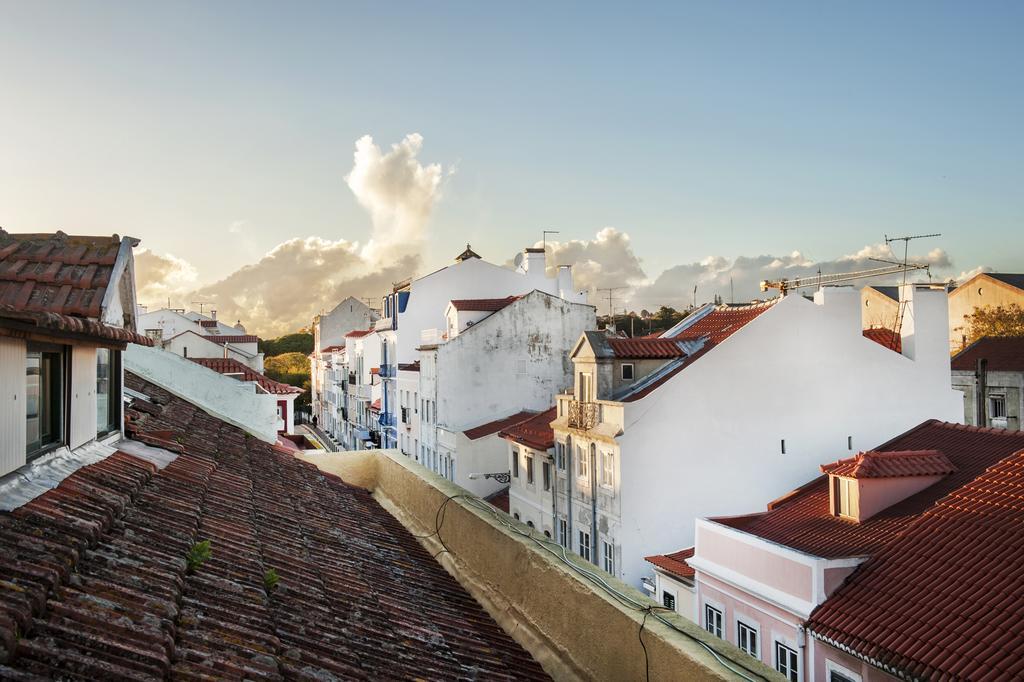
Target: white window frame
x=755 y=629
x=719 y=620
x=608 y=557
x=529 y=469
x=844 y=498
x=515 y=462
x=673 y=597
x=833 y=667
x=608 y=469
x=776 y=663
x=563 y=533
x=993 y=400
x=582 y=463
x=622 y=371
x=584 y=546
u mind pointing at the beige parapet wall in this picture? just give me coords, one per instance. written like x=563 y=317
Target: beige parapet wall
x=574 y=629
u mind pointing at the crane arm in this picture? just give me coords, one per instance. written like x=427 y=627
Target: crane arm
x=784 y=285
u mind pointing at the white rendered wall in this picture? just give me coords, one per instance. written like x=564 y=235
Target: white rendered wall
x=170 y=322
x=349 y=315
x=12 y=404
x=707 y=443
x=473 y=278
x=227 y=399
x=516 y=359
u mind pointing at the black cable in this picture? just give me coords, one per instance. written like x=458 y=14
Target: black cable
x=640 y=635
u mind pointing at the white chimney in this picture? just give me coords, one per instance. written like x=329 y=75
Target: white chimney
x=565 y=289
x=213 y=315
x=925 y=326
x=534 y=261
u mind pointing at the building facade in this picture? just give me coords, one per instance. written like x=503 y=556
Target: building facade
x=990 y=372
x=985 y=290
x=764 y=387
x=329 y=330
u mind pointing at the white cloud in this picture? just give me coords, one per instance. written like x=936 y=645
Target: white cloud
x=282 y=291
x=608 y=260
x=398 y=192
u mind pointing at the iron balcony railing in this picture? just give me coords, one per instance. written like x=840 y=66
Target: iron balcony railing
x=386 y=419
x=583 y=416
x=387 y=371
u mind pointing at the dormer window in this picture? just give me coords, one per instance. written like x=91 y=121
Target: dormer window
x=862 y=486
x=627 y=371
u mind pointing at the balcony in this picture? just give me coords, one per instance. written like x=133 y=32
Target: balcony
x=583 y=416
x=432 y=337
x=386 y=419
x=388 y=371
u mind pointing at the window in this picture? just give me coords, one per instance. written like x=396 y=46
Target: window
x=668 y=600
x=997 y=406
x=585 y=545
x=563 y=532
x=546 y=469
x=44 y=398
x=746 y=638
x=786 y=662
x=584 y=387
x=843 y=494
x=627 y=371
x=849 y=442
x=529 y=469
x=581 y=463
x=782 y=446
x=108 y=392
x=530 y=524
x=713 y=620
x=608 y=478
x=560 y=456
x=609 y=557
x=515 y=463
x=516 y=516
x=837 y=673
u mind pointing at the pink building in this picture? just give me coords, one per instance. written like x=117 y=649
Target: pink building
x=898 y=563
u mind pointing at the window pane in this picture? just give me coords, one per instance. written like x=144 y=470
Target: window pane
x=104 y=388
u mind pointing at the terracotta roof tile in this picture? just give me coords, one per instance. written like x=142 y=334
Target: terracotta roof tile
x=884 y=337
x=675 y=563
x=534 y=432
x=646 y=348
x=231 y=338
x=499 y=500
x=497 y=425
x=232 y=366
x=943 y=600
x=1003 y=353
x=357 y=333
x=58 y=281
x=802 y=519
x=483 y=304
x=874 y=464
x=95 y=583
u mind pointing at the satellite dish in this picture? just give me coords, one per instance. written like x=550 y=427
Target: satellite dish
x=518 y=261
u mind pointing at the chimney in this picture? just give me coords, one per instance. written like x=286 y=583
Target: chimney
x=533 y=262
x=925 y=325
x=565 y=282
x=841 y=305
x=213 y=315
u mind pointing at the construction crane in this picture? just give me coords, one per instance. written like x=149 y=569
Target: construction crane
x=784 y=284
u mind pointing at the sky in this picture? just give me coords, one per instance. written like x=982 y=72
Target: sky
x=274 y=156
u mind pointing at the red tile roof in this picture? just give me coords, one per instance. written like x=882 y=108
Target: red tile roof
x=885 y=337
x=534 y=432
x=724 y=321
x=375 y=405
x=715 y=327
x=328 y=349
x=497 y=425
x=409 y=366
x=232 y=366
x=95 y=584
x=675 y=563
x=231 y=338
x=646 y=348
x=944 y=600
x=499 y=500
x=483 y=304
x=1004 y=354
x=802 y=519
x=874 y=464
x=357 y=333
x=58 y=282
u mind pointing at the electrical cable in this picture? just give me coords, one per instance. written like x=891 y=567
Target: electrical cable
x=544 y=544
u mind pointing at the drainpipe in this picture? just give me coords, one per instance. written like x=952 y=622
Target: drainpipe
x=593 y=505
x=570 y=472
x=554 y=494
x=981 y=379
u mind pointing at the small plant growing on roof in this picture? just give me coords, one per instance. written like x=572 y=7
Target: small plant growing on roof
x=199 y=553
x=270 y=579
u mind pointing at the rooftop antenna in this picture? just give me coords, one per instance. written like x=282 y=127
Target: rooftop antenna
x=610 y=290
x=903 y=303
x=694 y=295
x=201 y=304
x=732 y=292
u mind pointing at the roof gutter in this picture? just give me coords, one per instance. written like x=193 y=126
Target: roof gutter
x=867 y=659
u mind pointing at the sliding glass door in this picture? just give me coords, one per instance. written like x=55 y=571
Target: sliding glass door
x=44 y=384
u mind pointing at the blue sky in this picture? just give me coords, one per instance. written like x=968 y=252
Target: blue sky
x=722 y=129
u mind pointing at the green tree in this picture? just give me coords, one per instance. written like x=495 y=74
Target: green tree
x=995 y=321
x=288 y=368
x=300 y=342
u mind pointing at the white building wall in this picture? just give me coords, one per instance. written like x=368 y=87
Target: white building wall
x=171 y=322
x=349 y=315
x=83 y=395
x=709 y=441
x=12 y=404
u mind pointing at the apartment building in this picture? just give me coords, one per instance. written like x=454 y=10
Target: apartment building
x=67 y=311
x=329 y=330
x=990 y=372
x=883 y=568
x=414 y=313
x=733 y=403
x=984 y=290
x=363 y=390
x=195 y=335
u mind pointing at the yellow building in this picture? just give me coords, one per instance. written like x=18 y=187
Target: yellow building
x=988 y=289
x=879 y=306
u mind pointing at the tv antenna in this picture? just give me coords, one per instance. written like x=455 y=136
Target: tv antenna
x=200 y=304
x=611 y=290
x=545 y=239
x=903 y=302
